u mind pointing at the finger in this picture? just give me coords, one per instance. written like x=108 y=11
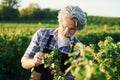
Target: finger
x=37 y=62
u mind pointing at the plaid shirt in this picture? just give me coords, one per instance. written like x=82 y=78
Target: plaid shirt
x=39 y=41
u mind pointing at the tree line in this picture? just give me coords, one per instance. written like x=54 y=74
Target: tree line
x=32 y=12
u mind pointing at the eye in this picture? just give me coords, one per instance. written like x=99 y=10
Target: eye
x=72 y=28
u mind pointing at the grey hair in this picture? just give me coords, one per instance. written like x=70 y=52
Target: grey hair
x=75 y=13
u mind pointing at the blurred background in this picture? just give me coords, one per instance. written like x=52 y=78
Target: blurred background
x=19 y=19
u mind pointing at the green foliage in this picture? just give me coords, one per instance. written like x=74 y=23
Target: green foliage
x=100 y=64
x=97 y=20
x=11 y=51
x=53 y=61
x=30 y=12
x=92 y=34
x=9 y=9
x=10 y=3
x=15 y=37
x=108 y=58
x=7 y=13
x=33 y=12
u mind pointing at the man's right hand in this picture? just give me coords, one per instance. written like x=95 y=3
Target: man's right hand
x=38 y=59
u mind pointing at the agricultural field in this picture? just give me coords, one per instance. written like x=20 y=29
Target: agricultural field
x=15 y=37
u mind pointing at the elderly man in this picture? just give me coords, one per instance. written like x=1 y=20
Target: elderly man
x=71 y=19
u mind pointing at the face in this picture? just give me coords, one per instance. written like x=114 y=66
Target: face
x=67 y=28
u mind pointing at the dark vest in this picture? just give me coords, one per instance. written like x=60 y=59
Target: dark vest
x=46 y=72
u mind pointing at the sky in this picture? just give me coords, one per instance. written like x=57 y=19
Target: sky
x=108 y=8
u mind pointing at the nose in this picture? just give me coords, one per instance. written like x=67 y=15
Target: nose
x=66 y=31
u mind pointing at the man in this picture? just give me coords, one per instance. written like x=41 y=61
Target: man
x=71 y=19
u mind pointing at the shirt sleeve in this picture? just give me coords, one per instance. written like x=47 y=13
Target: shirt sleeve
x=34 y=45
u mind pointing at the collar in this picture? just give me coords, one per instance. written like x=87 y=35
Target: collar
x=61 y=43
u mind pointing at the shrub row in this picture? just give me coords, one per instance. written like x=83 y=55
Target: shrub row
x=11 y=50
x=13 y=47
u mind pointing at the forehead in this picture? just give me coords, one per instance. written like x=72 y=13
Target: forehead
x=66 y=21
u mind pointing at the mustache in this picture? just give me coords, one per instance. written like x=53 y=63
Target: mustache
x=68 y=35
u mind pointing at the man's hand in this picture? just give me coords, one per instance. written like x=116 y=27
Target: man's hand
x=37 y=60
